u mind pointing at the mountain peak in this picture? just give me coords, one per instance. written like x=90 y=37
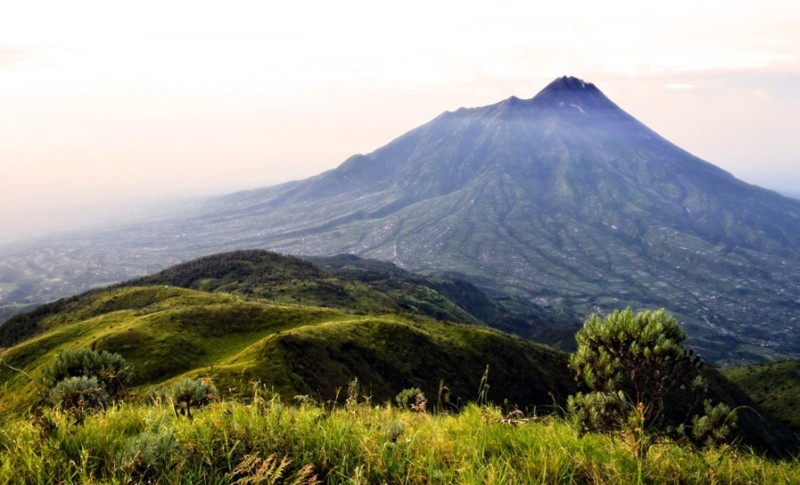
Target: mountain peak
x=573 y=93
x=569 y=83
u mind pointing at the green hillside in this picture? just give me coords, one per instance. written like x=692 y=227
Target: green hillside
x=279 y=279
x=256 y=316
x=413 y=290
x=774 y=386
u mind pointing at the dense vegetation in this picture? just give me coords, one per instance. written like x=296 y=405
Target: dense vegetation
x=362 y=441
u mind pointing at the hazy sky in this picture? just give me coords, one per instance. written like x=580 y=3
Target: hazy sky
x=106 y=102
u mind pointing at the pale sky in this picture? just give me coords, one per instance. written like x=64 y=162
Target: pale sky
x=103 y=103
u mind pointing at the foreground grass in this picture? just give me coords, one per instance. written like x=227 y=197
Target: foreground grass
x=271 y=441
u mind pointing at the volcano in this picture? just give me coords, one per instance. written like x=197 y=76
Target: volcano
x=563 y=200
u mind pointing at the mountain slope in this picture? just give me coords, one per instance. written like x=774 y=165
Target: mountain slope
x=562 y=200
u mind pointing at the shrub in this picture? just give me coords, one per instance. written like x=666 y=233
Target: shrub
x=634 y=365
x=110 y=370
x=78 y=393
x=149 y=455
x=412 y=398
x=191 y=393
x=595 y=411
x=714 y=426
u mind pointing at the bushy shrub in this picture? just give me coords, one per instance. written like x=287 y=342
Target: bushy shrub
x=634 y=365
x=191 y=393
x=713 y=427
x=84 y=380
x=595 y=411
x=412 y=398
x=110 y=370
x=149 y=455
x=78 y=393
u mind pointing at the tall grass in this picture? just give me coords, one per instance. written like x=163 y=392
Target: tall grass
x=277 y=442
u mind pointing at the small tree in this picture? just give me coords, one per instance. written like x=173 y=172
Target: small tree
x=634 y=365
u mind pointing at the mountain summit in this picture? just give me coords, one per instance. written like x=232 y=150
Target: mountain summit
x=564 y=200
x=571 y=89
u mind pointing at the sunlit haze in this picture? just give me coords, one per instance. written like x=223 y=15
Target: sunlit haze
x=112 y=104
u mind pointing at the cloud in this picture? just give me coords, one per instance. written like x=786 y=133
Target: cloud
x=679 y=86
x=774 y=84
x=12 y=54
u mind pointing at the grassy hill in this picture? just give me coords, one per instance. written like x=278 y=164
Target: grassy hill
x=374 y=288
x=256 y=316
x=774 y=387
x=498 y=310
